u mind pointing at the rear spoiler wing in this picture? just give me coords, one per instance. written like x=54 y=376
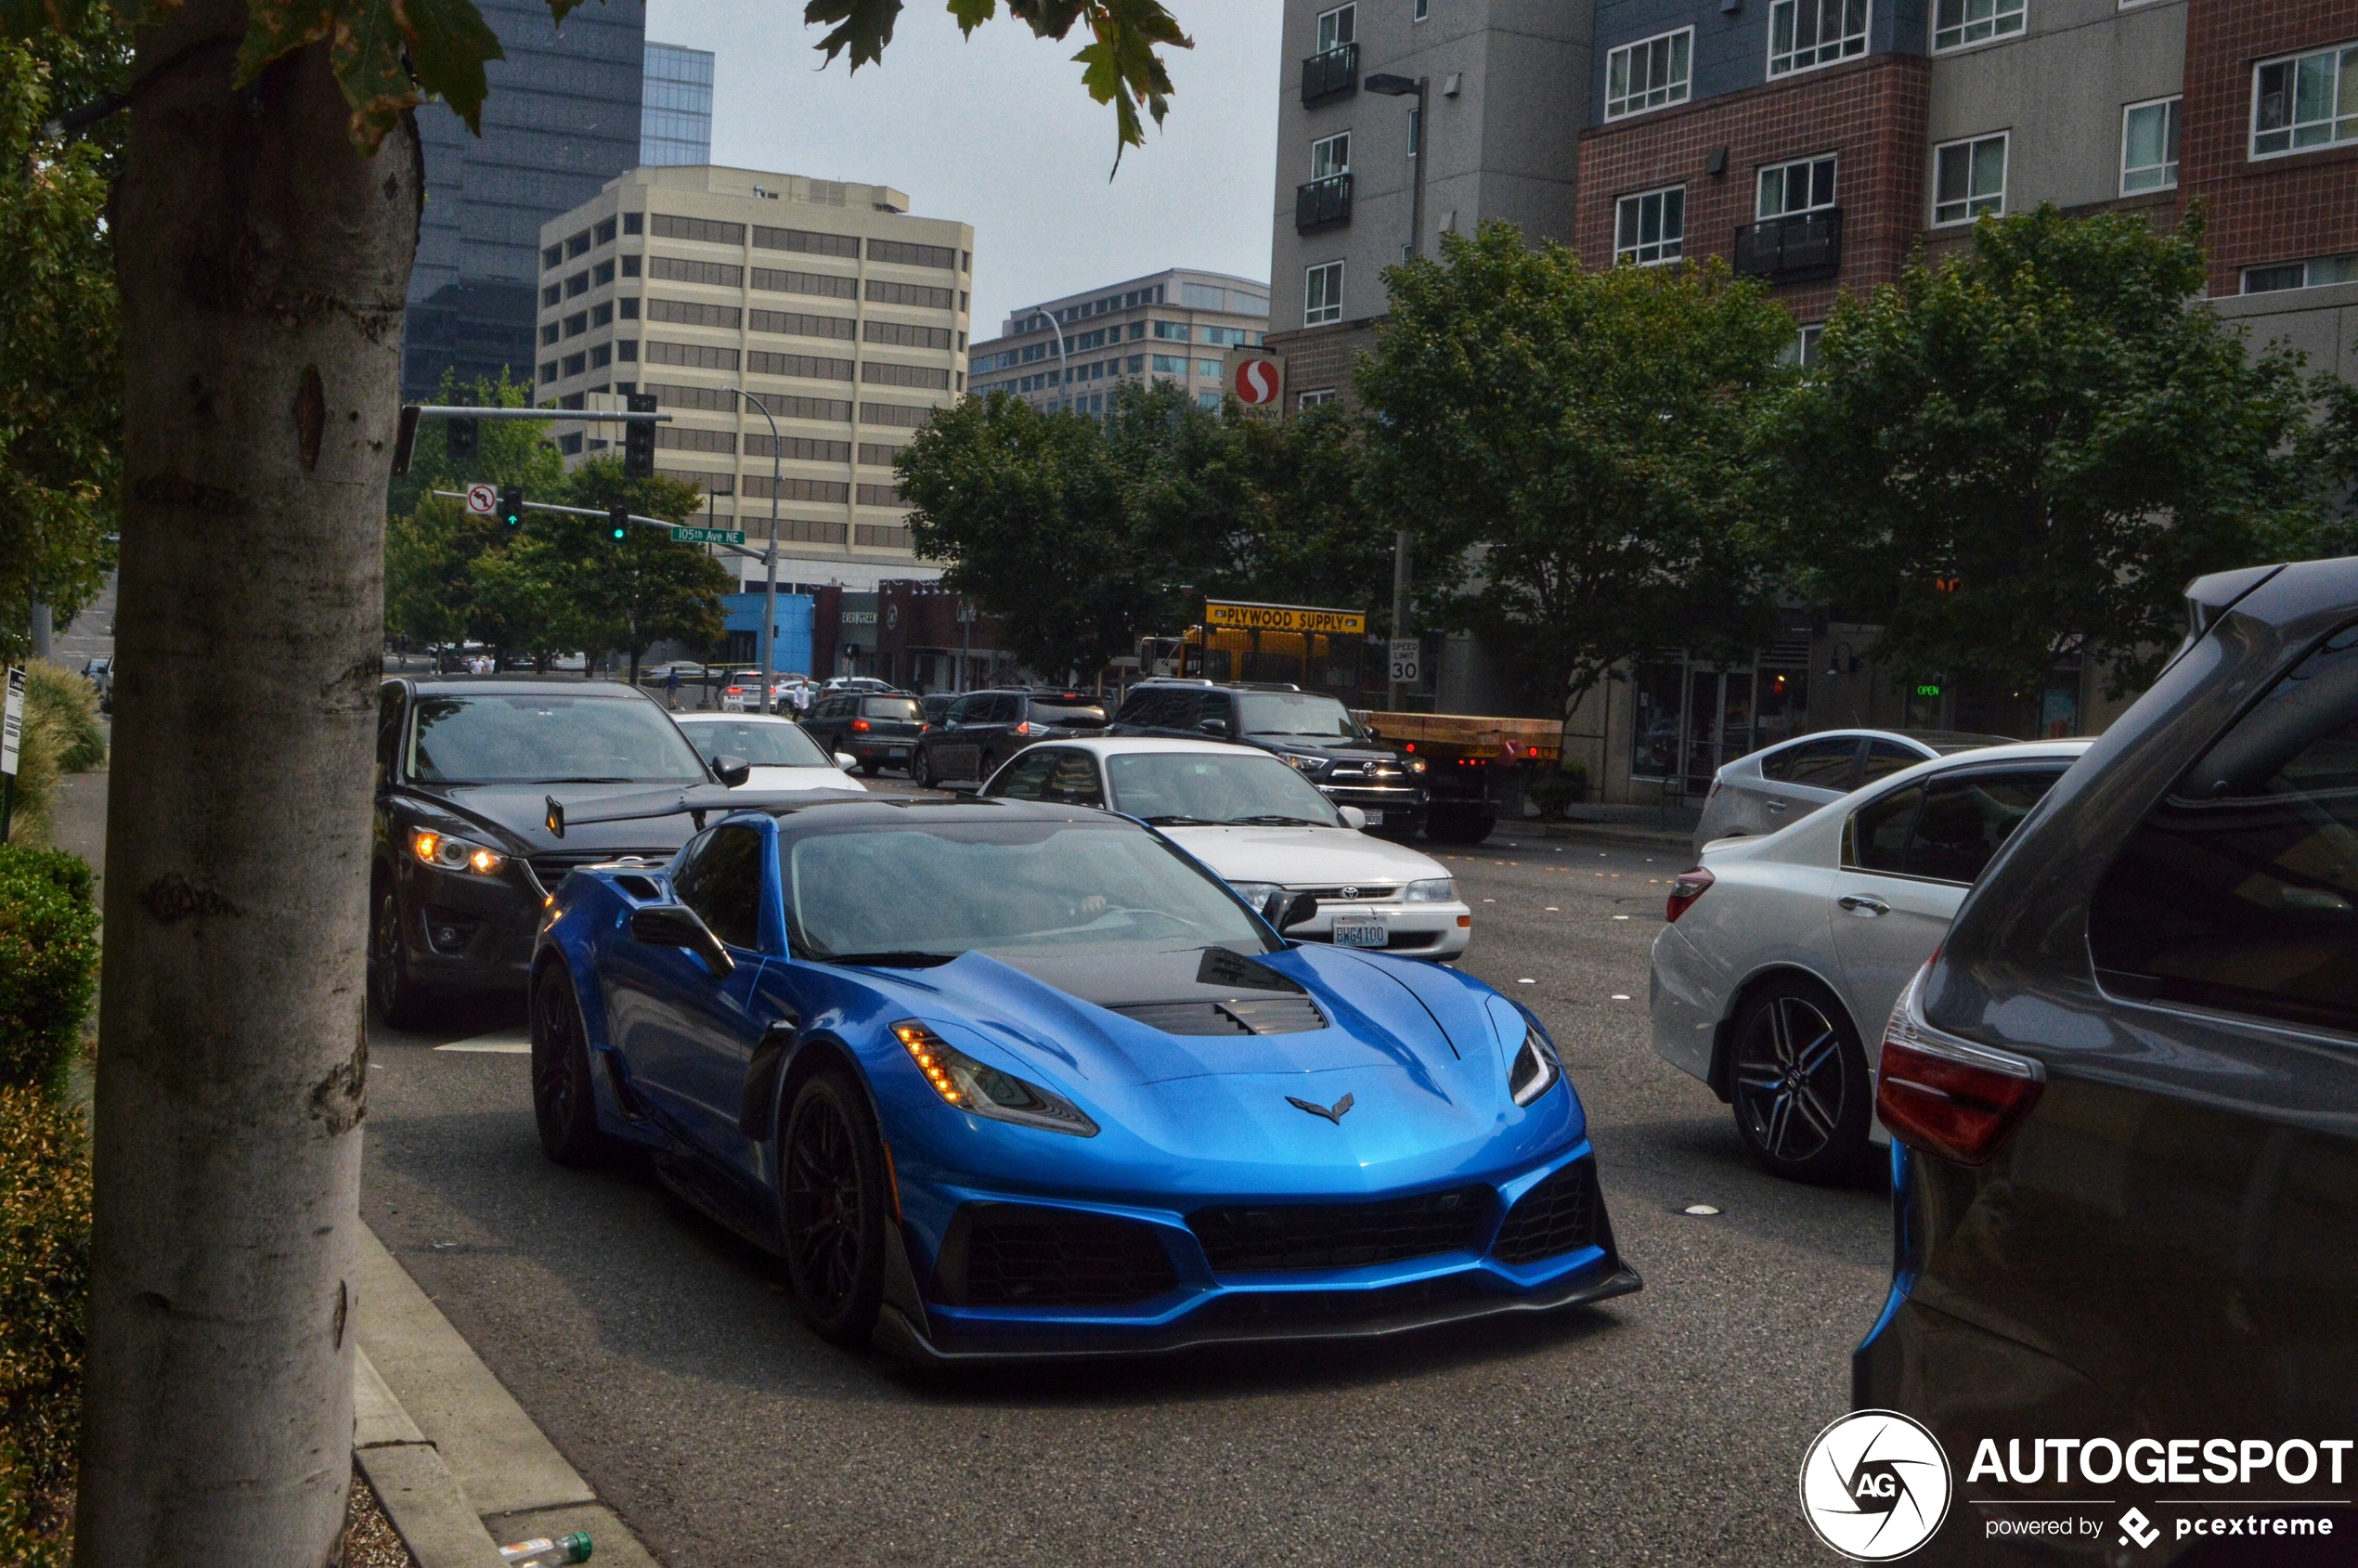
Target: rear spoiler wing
x=697 y=801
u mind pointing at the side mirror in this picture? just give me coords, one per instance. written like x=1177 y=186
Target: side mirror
x=1286 y=911
x=678 y=926
x=1352 y=817
x=1214 y=726
x=731 y=770
x=846 y=761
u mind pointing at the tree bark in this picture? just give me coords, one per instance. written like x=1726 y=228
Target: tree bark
x=262 y=264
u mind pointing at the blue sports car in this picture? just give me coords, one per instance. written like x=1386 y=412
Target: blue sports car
x=1001 y=1079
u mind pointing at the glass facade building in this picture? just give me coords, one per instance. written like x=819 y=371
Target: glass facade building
x=674 y=116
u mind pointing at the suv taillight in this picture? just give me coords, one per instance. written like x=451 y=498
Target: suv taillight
x=1684 y=889
x=1029 y=728
x=1949 y=1096
x=860 y=724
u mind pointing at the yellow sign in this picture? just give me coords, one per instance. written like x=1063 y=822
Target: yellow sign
x=1283 y=617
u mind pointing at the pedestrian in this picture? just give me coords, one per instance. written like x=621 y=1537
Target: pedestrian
x=671 y=688
x=802 y=700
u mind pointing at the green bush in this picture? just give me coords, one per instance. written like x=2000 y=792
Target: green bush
x=49 y=964
x=67 y=706
x=1557 y=790
x=44 y=1285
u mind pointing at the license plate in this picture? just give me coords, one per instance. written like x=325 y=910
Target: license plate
x=1360 y=933
x=899 y=754
x=1375 y=819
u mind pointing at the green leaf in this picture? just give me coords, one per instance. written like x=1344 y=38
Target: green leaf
x=367 y=57
x=863 y=27
x=448 y=44
x=280 y=27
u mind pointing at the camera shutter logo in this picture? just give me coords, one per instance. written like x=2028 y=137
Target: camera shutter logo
x=1875 y=1485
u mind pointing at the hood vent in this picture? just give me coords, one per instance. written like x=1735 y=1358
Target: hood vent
x=1242 y=1015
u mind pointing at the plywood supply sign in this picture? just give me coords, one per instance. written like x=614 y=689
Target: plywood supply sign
x=1236 y=616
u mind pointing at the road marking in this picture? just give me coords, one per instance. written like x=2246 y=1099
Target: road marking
x=1526 y=982
x=503 y=1042
x=1621 y=996
x=1621 y=917
x=1699 y=1209
x=1553 y=910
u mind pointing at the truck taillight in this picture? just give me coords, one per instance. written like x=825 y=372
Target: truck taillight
x=1949 y=1096
x=1684 y=889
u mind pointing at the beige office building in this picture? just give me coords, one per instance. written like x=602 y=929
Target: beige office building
x=726 y=292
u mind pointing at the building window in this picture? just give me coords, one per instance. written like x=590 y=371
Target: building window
x=1653 y=74
x=549 y=370
x=549 y=334
x=578 y=323
x=1137 y=363
x=632 y=223
x=1322 y=294
x=1331 y=156
x=2296 y=103
x=553 y=294
x=1957 y=23
x=1226 y=337
x=1338 y=28
x=569 y=445
x=1171 y=364
x=553 y=256
x=2314 y=274
x=605 y=232
x=1968 y=179
x=577 y=363
x=2149 y=147
x=602 y=315
x=1313 y=399
x=1805 y=33
x=629 y=309
x=1421 y=11
x=1208 y=369
x=602 y=273
x=1208 y=400
x=1805 y=186
x=1803 y=350
x=1652 y=229
x=576 y=284
x=631 y=267
x=601 y=356
x=578 y=244
x=1176 y=331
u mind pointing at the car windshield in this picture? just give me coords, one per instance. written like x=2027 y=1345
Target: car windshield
x=1300 y=715
x=777 y=744
x=1190 y=788
x=917 y=893
x=533 y=737
x=891 y=707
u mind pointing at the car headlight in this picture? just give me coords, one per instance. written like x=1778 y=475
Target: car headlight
x=1416 y=764
x=1534 y=1069
x=970 y=1086
x=1257 y=894
x=442 y=851
x=1309 y=765
x=1432 y=890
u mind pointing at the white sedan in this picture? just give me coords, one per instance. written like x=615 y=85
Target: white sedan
x=1785 y=952
x=782 y=754
x=1263 y=828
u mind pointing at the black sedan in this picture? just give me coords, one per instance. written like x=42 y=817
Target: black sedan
x=463 y=862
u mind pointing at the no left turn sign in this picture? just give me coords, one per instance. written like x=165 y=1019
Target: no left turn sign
x=482 y=500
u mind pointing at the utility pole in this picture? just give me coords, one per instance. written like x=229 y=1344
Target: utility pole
x=769 y=560
x=1401 y=87
x=1400 y=543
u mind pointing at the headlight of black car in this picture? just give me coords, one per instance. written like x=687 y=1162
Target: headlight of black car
x=446 y=852
x=984 y=1090
x=1534 y=1069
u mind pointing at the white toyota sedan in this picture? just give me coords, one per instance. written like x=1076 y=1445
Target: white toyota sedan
x=1261 y=828
x=782 y=754
x=1784 y=953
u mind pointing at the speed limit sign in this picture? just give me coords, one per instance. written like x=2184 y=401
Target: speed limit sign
x=482 y=500
x=1404 y=670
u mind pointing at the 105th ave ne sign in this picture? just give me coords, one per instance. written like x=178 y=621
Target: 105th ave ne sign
x=707 y=535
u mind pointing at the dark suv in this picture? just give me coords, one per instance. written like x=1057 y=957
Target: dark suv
x=876 y=729
x=1310 y=730
x=981 y=729
x=2124 y=1096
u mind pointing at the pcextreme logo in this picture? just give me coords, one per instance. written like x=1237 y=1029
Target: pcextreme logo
x=1875 y=1485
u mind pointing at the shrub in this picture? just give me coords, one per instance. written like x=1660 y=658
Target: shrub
x=49 y=964
x=68 y=705
x=45 y=1284
x=1558 y=790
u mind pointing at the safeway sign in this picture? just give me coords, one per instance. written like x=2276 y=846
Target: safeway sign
x=1255 y=377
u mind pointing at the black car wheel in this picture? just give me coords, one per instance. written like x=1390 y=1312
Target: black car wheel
x=832 y=1178
x=1799 y=1083
x=921 y=769
x=564 y=1107
x=399 y=1001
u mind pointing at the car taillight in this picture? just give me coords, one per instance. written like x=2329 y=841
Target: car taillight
x=1029 y=728
x=736 y=691
x=1949 y=1096
x=1684 y=889
x=860 y=724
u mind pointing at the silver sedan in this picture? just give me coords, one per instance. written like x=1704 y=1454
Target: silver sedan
x=1785 y=952
x=1782 y=783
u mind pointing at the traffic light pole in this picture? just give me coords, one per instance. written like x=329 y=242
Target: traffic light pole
x=770 y=594
x=597 y=511
x=406 y=437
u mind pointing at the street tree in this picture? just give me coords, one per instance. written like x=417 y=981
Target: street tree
x=444 y=579
x=1565 y=445
x=2029 y=449
x=263 y=226
x=644 y=588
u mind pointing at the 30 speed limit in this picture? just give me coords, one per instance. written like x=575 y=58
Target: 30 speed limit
x=1405 y=670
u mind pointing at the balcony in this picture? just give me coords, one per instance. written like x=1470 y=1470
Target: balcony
x=1322 y=204
x=1334 y=74
x=1791 y=250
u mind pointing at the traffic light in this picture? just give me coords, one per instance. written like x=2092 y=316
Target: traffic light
x=511 y=505
x=638 y=437
x=618 y=521
x=464 y=438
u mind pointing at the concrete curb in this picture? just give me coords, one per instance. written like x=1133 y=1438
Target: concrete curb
x=454 y=1458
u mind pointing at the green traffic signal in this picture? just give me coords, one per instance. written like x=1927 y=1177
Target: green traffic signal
x=511 y=505
x=618 y=521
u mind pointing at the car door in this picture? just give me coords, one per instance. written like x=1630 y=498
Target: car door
x=1909 y=857
x=691 y=1033
x=953 y=755
x=1794 y=780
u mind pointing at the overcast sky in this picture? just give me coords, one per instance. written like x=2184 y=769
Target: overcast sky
x=999 y=132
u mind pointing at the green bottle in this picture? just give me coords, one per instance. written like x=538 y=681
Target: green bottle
x=543 y=1552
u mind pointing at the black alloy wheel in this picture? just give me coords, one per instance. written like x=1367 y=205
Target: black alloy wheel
x=1799 y=1083
x=921 y=768
x=399 y=1001
x=565 y=1105
x=832 y=1189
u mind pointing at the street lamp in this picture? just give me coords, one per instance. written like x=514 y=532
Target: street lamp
x=1064 y=386
x=1401 y=87
x=769 y=558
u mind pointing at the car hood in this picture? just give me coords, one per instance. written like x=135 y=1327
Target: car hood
x=513 y=818
x=1303 y=856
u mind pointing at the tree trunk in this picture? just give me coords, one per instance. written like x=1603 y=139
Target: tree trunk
x=262 y=264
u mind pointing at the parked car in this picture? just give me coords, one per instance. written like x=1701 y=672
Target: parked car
x=2125 y=1094
x=1312 y=730
x=875 y=729
x=1007 y=1080
x=859 y=684
x=1785 y=952
x=1762 y=792
x=936 y=705
x=779 y=752
x=742 y=693
x=463 y=861
x=99 y=673
x=1262 y=829
x=981 y=730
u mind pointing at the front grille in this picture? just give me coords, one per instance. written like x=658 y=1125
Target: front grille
x=1556 y=1217
x=1239 y=1015
x=1350 y=894
x=1303 y=1236
x=1011 y=1254
x=1249 y=1310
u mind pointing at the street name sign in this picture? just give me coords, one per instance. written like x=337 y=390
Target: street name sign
x=482 y=500
x=707 y=535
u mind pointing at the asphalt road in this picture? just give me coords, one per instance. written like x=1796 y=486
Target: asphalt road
x=664 y=1357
